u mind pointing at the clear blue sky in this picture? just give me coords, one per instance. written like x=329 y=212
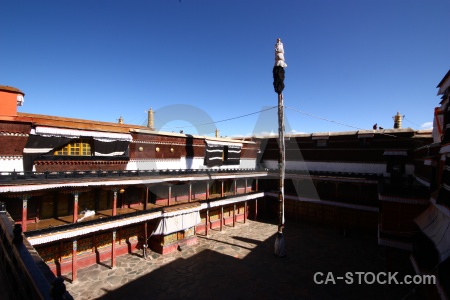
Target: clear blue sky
x=355 y=62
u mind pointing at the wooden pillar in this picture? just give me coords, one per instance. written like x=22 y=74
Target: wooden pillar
x=245 y=189
x=94 y=243
x=206 y=221
x=114 y=206
x=245 y=211
x=222 y=192
x=221 y=218
x=113 y=250
x=207 y=190
x=75 y=207
x=256 y=185
x=169 y=195
x=145 y=246
x=74 y=260
x=24 y=213
x=256 y=208
x=235 y=187
x=234 y=215
x=190 y=192
x=38 y=205
x=59 y=259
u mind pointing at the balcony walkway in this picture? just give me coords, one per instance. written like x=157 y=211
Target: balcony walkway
x=238 y=263
x=63 y=220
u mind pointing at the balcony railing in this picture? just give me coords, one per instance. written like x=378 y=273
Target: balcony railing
x=12 y=176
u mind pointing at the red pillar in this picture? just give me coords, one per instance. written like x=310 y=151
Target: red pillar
x=245 y=211
x=207 y=190
x=113 y=250
x=74 y=260
x=221 y=218
x=38 y=205
x=222 y=193
x=256 y=208
x=190 y=192
x=146 y=198
x=114 y=206
x=169 y=195
x=145 y=246
x=206 y=222
x=234 y=215
x=75 y=207
x=256 y=185
x=24 y=213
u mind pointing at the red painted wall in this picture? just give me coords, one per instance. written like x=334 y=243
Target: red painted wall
x=8 y=100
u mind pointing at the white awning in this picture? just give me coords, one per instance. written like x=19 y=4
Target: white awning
x=111 y=182
x=100 y=135
x=232 y=200
x=176 y=223
x=366 y=133
x=320 y=136
x=211 y=142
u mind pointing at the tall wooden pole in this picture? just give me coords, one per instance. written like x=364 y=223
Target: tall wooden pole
x=278 y=84
x=281 y=162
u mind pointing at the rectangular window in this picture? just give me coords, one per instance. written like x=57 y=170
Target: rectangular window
x=77 y=148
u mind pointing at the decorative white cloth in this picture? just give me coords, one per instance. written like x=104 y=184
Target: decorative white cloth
x=173 y=224
x=279 y=55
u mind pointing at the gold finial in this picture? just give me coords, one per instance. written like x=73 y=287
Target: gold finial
x=151 y=119
x=120 y=120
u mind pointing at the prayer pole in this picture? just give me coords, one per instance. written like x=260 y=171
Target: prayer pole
x=278 y=84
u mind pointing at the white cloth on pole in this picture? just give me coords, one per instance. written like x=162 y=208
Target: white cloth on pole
x=279 y=55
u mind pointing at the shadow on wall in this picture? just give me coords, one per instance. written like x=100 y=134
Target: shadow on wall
x=189 y=151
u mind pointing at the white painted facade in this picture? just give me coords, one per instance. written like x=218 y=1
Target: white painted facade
x=11 y=163
x=336 y=167
x=196 y=163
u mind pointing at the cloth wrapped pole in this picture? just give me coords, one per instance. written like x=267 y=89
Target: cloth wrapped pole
x=278 y=69
x=278 y=79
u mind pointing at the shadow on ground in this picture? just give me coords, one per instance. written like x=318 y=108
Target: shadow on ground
x=310 y=248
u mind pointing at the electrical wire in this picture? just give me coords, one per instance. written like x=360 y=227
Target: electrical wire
x=411 y=122
x=224 y=120
x=287 y=107
x=321 y=118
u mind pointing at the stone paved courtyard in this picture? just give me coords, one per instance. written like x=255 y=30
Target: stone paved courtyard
x=238 y=263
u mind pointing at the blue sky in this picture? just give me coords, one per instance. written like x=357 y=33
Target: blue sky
x=354 y=62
